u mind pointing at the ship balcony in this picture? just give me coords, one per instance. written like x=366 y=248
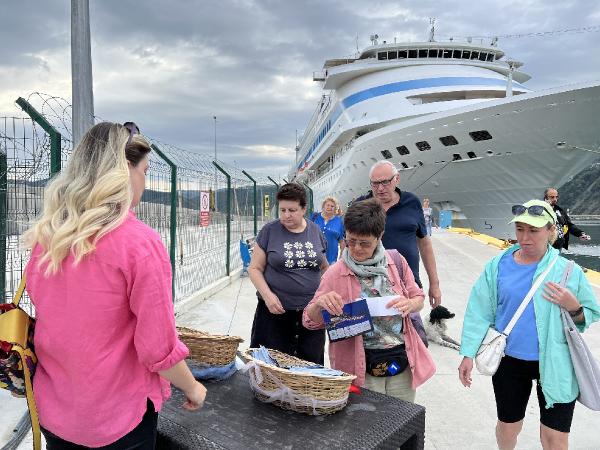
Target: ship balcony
x=319 y=75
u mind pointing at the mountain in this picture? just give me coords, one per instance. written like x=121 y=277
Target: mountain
x=580 y=195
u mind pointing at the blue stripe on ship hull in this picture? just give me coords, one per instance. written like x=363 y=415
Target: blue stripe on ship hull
x=420 y=84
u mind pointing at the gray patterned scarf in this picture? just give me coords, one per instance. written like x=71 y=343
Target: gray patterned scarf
x=375 y=267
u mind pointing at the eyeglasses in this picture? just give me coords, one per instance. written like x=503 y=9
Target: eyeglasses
x=361 y=244
x=133 y=129
x=533 y=210
x=374 y=184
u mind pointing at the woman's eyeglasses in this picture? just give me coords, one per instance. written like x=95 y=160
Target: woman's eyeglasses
x=533 y=210
x=361 y=244
x=133 y=129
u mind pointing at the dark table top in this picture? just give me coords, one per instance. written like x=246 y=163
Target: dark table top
x=231 y=418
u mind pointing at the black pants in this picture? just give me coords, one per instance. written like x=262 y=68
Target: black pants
x=285 y=332
x=142 y=437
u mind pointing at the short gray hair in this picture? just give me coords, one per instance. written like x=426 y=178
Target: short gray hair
x=383 y=163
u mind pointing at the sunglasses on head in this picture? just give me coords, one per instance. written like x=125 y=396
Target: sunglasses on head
x=534 y=210
x=133 y=129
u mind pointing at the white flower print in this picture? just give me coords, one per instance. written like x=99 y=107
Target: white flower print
x=287 y=245
x=311 y=254
x=313 y=263
x=298 y=245
x=288 y=254
x=300 y=254
x=289 y=263
x=308 y=245
x=301 y=263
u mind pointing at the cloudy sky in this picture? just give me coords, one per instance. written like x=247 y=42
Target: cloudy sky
x=171 y=65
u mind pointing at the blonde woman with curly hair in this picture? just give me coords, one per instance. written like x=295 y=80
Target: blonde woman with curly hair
x=100 y=281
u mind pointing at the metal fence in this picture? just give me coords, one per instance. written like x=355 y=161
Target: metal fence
x=203 y=247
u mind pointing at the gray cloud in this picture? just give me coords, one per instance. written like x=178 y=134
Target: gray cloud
x=172 y=65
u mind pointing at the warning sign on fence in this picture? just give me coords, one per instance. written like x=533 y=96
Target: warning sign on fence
x=204 y=208
x=266 y=205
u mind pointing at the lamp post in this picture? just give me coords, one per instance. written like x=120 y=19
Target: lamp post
x=216 y=185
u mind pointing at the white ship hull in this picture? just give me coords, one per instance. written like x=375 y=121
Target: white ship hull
x=524 y=157
x=448 y=121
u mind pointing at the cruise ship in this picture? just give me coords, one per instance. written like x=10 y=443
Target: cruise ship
x=457 y=121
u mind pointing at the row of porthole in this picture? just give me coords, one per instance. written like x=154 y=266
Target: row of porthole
x=447 y=141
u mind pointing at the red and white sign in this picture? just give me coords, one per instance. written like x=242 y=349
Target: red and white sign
x=204 y=208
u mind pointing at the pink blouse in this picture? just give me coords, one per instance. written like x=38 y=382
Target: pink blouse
x=104 y=329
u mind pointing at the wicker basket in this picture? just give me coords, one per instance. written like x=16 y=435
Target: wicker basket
x=306 y=393
x=210 y=349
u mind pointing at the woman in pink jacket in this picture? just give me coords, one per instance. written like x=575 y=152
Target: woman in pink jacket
x=100 y=281
x=389 y=359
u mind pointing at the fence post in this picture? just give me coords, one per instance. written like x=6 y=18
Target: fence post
x=311 y=205
x=173 y=217
x=55 y=138
x=227 y=260
x=3 y=214
x=255 y=200
x=276 y=202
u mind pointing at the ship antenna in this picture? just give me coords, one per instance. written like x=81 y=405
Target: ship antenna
x=432 y=30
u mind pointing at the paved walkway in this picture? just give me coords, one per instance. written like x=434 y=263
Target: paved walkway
x=457 y=418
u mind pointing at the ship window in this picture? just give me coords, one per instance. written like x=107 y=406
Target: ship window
x=420 y=162
x=386 y=154
x=433 y=53
x=482 y=56
x=474 y=55
x=466 y=54
x=402 y=54
x=403 y=150
x=456 y=157
x=404 y=165
x=412 y=53
x=448 y=140
x=392 y=55
x=447 y=53
x=471 y=155
x=456 y=54
x=423 y=53
x=423 y=145
x=490 y=57
x=382 y=56
x=481 y=135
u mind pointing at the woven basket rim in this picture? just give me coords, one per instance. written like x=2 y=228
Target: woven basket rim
x=185 y=331
x=245 y=355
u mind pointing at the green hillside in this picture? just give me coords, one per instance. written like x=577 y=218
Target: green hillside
x=581 y=195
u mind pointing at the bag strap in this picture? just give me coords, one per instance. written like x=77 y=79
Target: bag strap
x=567 y=273
x=19 y=293
x=397 y=262
x=35 y=422
x=528 y=298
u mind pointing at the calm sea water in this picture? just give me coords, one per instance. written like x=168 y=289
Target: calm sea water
x=585 y=253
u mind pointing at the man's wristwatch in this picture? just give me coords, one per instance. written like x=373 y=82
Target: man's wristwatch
x=576 y=312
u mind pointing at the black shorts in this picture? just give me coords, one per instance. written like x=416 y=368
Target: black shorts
x=512 y=388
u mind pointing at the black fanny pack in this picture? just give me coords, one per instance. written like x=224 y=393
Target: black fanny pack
x=386 y=362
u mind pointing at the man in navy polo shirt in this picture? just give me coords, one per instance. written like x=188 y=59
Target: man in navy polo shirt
x=405 y=228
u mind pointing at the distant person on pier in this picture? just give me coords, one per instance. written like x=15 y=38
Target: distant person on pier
x=405 y=227
x=428 y=214
x=536 y=348
x=332 y=226
x=287 y=263
x=386 y=359
x=100 y=281
x=564 y=224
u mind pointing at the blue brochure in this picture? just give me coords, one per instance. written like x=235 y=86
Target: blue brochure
x=355 y=320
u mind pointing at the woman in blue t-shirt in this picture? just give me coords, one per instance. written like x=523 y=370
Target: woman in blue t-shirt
x=536 y=348
x=332 y=226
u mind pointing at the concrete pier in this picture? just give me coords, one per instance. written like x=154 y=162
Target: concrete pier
x=457 y=417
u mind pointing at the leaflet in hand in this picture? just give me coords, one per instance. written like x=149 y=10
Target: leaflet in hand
x=377 y=306
x=355 y=320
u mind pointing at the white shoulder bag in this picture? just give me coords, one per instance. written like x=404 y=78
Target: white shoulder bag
x=492 y=347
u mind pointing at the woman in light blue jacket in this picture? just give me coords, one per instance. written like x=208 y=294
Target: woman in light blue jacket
x=536 y=348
